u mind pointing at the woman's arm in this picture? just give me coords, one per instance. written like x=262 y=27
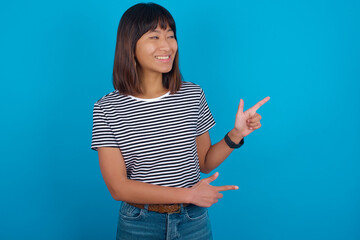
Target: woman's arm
x=113 y=170
x=246 y=122
x=211 y=156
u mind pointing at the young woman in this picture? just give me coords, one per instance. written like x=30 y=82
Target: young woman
x=152 y=138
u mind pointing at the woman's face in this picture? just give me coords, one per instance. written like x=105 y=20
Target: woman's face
x=155 y=51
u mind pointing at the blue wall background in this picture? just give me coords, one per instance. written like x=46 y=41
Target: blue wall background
x=298 y=174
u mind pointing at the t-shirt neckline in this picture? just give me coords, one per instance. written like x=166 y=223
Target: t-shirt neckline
x=150 y=99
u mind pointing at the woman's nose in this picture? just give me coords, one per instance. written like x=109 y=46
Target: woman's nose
x=164 y=44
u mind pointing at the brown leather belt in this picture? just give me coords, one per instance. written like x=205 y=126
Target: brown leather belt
x=161 y=208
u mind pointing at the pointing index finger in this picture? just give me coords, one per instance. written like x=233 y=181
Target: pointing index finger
x=226 y=188
x=259 y=104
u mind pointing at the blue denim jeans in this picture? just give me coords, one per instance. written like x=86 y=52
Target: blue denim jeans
x=192 y=222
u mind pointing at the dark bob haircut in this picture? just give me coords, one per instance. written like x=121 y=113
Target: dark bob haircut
x=134 y=23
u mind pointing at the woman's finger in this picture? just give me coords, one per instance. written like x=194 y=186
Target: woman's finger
x=255 y=127
x=258 y=105
x=253 y=124
x=241 y=106
x=253 y=118
x=211 y=178
x=226 y=188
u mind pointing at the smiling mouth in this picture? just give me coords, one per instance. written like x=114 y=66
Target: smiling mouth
x=162 y=57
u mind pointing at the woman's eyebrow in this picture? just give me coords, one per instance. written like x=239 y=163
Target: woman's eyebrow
x=157 y=31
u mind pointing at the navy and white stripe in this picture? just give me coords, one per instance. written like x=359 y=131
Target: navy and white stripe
x=155 y=136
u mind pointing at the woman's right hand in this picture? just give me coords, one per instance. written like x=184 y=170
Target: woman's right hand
x=205 y=195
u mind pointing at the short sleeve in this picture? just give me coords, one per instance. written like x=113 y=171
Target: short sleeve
x=205 y=119
x=102 y=135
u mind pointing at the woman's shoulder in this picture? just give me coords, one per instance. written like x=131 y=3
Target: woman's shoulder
x=191 y=86
x=109 y=98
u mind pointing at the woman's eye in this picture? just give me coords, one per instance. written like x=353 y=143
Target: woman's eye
x=154 y=37
x=171 y=36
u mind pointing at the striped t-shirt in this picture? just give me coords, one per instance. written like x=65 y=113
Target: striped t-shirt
x=155 y=136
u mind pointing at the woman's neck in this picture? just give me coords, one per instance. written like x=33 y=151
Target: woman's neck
x=151 y=84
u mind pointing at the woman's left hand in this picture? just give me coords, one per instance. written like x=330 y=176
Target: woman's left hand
x=246 y=122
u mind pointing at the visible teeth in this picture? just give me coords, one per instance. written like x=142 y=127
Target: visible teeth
x=158 y=57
